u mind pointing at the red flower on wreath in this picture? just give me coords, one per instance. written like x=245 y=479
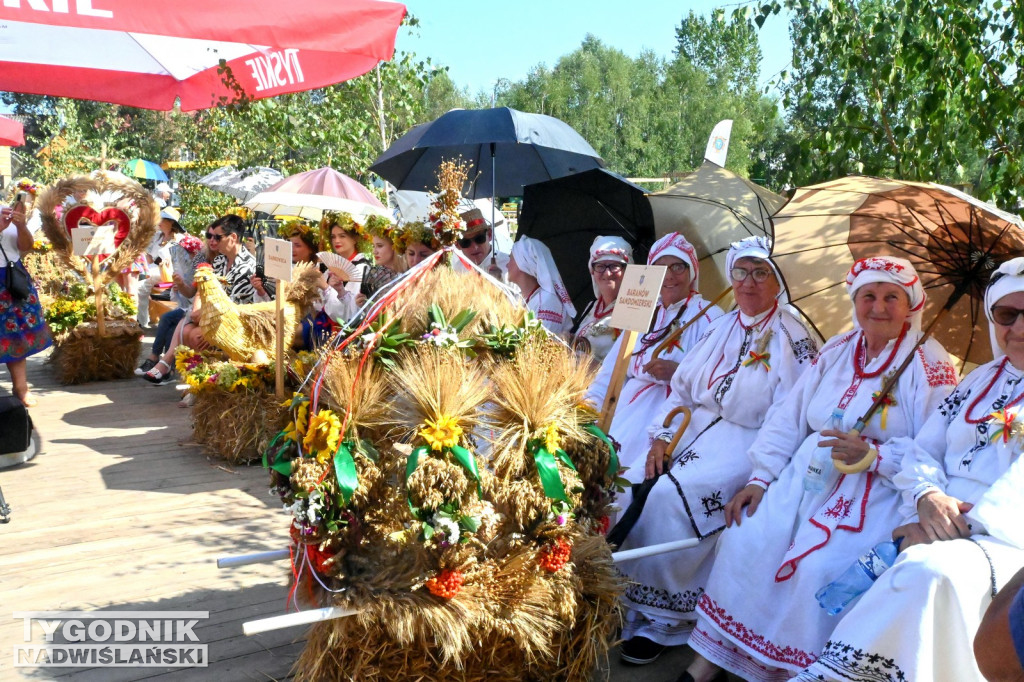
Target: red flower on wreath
x=445 y=584
x=555 y=555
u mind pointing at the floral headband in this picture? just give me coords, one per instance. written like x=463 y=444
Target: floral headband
x=303 y=230
x=347 y=223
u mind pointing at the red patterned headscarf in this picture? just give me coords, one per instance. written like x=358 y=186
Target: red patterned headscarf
x=675 y=244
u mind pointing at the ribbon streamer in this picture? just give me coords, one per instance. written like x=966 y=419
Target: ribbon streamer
x=886 y=403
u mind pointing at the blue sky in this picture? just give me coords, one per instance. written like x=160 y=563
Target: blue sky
x=481 y=41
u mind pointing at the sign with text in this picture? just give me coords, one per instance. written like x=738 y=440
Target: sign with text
x=93 y=240
x=277 y=259
x=638 y=297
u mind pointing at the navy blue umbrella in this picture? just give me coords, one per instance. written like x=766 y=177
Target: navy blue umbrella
x=508 y=149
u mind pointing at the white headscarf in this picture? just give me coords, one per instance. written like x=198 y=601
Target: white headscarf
x=534 y=258
x=889 y=270
x=1007 y=279
x=675 y=244
x=615 y=249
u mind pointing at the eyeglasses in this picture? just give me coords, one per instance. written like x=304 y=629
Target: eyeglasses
x=214 y=237
x=759 y=275
x=678 y=268
x=1006 y=316
x=478 y=239
x=611 y=268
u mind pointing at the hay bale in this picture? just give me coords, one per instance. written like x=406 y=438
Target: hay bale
x=236 y=425
x=80 y=355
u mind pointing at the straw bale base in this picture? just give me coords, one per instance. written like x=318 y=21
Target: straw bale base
x=237 y=426
x=403 y=636
x=80 y=355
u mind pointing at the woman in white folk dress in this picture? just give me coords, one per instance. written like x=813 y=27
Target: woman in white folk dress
x=532 y=268
x=609 y=257
x=747 y=361
x=963 y=539
x=647 y=384
x=758 y=617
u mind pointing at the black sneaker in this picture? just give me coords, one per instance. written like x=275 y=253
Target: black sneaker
x=146 y=365
x=640 y=651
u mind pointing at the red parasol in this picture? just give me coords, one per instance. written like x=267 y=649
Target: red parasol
x=146 y=54
x=12 y=133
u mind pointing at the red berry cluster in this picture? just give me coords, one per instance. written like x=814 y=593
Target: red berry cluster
x=555 y=555
x=445 y=584
x=603 y=524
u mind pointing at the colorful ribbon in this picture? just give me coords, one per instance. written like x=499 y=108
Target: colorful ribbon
x=1005 y=421
x=613 y=457
x=345 y=470
x=759 y=359
x=886 y=403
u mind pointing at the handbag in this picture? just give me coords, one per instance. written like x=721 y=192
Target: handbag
x=16 y=279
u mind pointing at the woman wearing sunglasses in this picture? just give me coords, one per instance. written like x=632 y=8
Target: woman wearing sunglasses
x=648 y=380
x=962 y=479
x=748 y=361
x=609 y=257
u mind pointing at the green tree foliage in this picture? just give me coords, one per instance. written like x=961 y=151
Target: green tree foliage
x=66 y=136
x=649 y=116
x=912 y=90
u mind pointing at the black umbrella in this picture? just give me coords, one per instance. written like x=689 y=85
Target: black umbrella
x=508 y=149
x=567 y=213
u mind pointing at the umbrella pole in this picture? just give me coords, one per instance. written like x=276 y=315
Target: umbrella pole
x=887 y=387
x=493 y=270
x=671 y=338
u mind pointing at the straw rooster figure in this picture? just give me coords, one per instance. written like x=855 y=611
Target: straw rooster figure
x=246 y=331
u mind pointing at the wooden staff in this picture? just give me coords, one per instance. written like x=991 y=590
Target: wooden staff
x=611 y=397
x=279 y=334
x=671 y=338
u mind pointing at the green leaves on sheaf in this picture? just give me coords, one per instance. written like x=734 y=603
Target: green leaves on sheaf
x=388 y=340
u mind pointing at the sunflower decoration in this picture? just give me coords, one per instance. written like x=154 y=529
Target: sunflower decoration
x=322 y=435
x=444 y=433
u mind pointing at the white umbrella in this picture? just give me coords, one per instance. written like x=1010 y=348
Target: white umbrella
x=243 y=184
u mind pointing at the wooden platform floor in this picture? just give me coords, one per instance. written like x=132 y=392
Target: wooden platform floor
x=121 y=511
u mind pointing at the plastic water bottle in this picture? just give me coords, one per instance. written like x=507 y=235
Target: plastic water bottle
x=856 y=580
x=820 y=465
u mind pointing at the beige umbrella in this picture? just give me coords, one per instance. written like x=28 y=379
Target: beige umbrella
x=953 y=240
x=713 y=207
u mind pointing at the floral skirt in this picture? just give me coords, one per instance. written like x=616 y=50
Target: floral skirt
x=23 y=329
